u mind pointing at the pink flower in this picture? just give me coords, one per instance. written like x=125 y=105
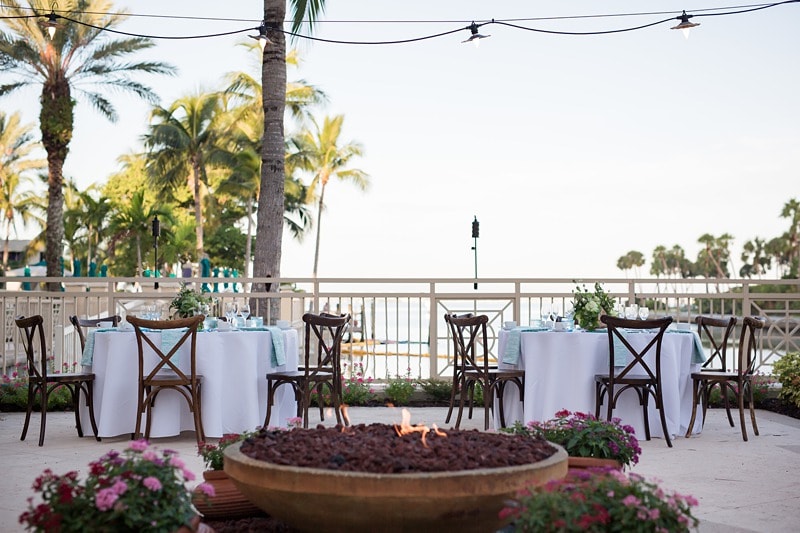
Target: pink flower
x=105 y=498
x=207 y=489
x=119 y=487
x=177 y=462
x=150 y=455
x=654 y=514
x=139 y=445
x=630 y=501
x=188 y=475
x=152 y=483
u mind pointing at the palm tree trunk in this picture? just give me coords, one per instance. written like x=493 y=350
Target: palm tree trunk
x=56 y=123
x=269 y=225
x=248 y=244
x=139 y=255
x=198 y=210
x=319 y=226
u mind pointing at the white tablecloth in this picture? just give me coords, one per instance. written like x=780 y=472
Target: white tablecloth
x=560 y=369
x=234 y=365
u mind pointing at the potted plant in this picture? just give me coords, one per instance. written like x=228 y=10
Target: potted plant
x=587 y=306
x=227 y=502
x=140 y=489
x=608 y=501
x=584 y=436
x=188 y=302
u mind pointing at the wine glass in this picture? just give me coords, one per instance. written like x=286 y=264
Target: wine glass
x=230 y=312
x=644 y=313
x=244 y=312
x=632 y=312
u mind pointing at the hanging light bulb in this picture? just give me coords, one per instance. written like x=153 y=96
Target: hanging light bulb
x=262 y=38
x=475 y=37
x=52 y=22
x=685 y=25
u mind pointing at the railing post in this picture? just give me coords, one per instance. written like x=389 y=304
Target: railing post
x=433 y=332
x=517 y=303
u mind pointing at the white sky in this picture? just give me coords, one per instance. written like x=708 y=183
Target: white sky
x=570 y=150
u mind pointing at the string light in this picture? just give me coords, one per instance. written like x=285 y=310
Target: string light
x=262 y=38
x=475 y=37
x=685 y=25
x=51 y=24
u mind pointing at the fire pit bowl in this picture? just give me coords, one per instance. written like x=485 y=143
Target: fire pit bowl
x=322 y=499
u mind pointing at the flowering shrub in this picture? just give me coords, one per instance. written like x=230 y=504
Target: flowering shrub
x=601 y=500
x=356 y=389
x=787 y=370
x=213 y=454
x=760 y=382
x=400 y=389
x=588 y=305
x=14 y=392
x=140 y=489
x=583 y=435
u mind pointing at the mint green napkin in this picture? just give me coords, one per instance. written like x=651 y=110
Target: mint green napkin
x=169 y=338
x=512 y=349
x=278 y=353
x=88 y=349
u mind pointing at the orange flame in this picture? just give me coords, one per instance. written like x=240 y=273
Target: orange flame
x=406 y=428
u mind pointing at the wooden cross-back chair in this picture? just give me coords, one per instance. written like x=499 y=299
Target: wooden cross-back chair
x=609 y=386
x=719 y=332
x=82 y=324
x=41 y=383
x=468 y=333
x=166 y=374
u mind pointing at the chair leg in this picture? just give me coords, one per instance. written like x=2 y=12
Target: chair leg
x=198 y=414
x=31 y=394
x=752 y=407
x=741 y=411
x=75 y=392
x=45 y=394
x=462 y=397
x=456 y=388
x=90 y=406
x=488 y=397
x=598 y=399
x=727 y=404
x=643 y=401
x=695 y=398
x=660 y=407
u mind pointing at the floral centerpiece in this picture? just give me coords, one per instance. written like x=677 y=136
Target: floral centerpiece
x=188 y=302
x=601 y=501
x=587 y=306
x=140 y=489
x=583 y=435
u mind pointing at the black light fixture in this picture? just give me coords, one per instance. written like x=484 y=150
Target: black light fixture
x=156 y=235
x=51 y=24
x=685 y=25
x=262 y=38
x=476 y=230
x=475 y=37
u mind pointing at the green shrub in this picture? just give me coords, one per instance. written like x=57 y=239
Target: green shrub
x=14 y=395
x=400 y=389
x=787 y=370
x=438 y=390
x=761 y=385
x=356 y=389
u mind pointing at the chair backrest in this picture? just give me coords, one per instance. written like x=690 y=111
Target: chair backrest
x=453 y=333
x=164 y=361
x=617 y=340
x=748 y=343
x=32 y=328
x=323 y=343
x=718 y=331
x=80 y=325
x=468 y=331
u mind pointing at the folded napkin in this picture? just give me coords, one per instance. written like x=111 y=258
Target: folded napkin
x=88 y=349
x=698 y=353
x=621 y=352
x=278 y=353
x=169 y=338
x=512 y=349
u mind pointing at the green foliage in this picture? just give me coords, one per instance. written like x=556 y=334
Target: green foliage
x=225 y=247
x=214 y=454
x=188 y=301
x=14 y=394
x=787 y=370
x=587 y=305
x=357 y=390
x=600 y=501
x=438 y=389
x=583 y=435
x=760 y=383
x=400 y=389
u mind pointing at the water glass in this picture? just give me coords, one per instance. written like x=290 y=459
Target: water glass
x=644 y=313
x=244 y=311
x=632 y=312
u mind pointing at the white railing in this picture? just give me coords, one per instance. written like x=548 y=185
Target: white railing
x=398 y=323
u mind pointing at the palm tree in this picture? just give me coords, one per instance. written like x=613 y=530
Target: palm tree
x=184 y=139
x=132 y=220
x=80 y=54
x=91 y=214
x=16 y=147
x=320 y=152
x=273 y=80
x=791 y=210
